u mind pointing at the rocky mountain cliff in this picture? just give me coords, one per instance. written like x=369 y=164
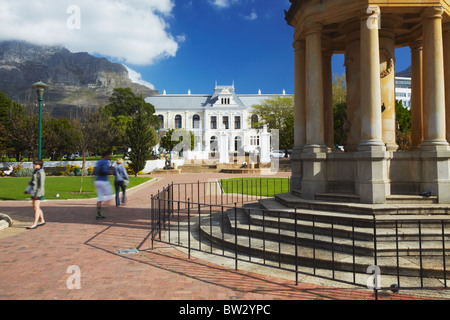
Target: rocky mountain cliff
x=76 y=79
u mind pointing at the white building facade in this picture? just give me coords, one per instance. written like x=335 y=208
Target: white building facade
x=403 y=87
x=213 y=118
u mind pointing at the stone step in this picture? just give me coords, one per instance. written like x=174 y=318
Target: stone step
x=392 y=199
x=294 y=201
x=406 y=232
x=272 y=207
x=270 y=250
x=339 y=239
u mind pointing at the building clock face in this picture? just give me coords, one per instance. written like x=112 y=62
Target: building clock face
x=386 y=63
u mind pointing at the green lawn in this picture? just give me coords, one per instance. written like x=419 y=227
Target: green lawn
x=266 y=187
x=66 y=187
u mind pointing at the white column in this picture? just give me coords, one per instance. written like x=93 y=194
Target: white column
x=314 y=89
x=433 y=82
x=416 y=94
x=371 y=128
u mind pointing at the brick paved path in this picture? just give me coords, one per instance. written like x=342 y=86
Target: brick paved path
x=33 y=263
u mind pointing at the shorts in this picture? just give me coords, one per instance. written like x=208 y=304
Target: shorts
x=104 y=190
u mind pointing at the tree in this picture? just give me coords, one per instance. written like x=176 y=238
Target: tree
x=340 y=120
x=169 y=141
x=59 y=137
x=141 y=139
x=277 y=113
x=339 y=89
x=403 y=132
x=123 y=102
x=92 y=133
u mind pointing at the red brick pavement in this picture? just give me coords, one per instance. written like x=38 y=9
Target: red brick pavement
x=33 y=263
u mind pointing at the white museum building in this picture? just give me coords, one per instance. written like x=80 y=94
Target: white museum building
x=213 y=119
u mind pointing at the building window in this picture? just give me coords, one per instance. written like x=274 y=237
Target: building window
x=254 y=121
x=254 y=140
x=213 y=122
x=161 y=121
x=225 y=100
x=213 y=143
x=178 y=122
x=237 y=143
x=237 y=122
x=196 y=121
x=225 y=122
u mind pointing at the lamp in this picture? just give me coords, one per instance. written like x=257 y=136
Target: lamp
x=40 y=86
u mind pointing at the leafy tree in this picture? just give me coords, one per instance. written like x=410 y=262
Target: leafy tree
x=277 y=113
x=340 y=119
x=169 y=141
x=141 y=139
x=123 y=102
x=403 y=133
x=59 y=137
x=339 y=89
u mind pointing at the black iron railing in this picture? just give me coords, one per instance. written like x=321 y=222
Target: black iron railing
x=363 y=250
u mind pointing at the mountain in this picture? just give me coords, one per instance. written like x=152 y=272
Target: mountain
x=76 y=79
x=405 y=73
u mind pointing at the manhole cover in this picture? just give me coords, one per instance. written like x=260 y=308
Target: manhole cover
x=128 y=251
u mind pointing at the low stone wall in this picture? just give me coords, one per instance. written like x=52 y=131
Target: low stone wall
x=149 y=167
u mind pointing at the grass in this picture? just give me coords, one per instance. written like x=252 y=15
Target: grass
x=266 y=187
x=66 y=187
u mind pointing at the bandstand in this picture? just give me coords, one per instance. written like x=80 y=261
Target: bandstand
x=371 y=170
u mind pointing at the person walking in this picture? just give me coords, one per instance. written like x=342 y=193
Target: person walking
x=37 y=184
x=120 y=181
x=102 y=184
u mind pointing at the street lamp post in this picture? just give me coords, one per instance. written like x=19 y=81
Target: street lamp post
x=40 y=86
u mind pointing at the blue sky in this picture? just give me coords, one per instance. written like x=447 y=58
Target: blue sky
x=247 y=42
x=173 y=45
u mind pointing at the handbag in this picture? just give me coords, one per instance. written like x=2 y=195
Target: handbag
x=29 y=189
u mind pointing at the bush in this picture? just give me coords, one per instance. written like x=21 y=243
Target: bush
x=130 y=171
x=23 y=173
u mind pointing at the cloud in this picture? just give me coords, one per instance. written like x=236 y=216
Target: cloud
x=252 y=16
x=220 y=4
x=136 y=77
x=130 y=31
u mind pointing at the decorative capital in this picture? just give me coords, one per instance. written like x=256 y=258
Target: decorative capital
x=416 y=45
x=299 y=45
x=433 y=12
x=313 y=27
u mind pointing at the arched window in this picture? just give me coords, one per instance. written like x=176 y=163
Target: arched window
x=237 y=143
x=161 y=121
x=213 y=143
x=178 y=122
x=196 y=121
x=254 y=121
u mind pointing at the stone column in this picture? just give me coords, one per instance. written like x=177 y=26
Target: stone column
x=353 y=78
x=433 y=81
x=371 y=127
x=416 y=94
x=387 y=74
x=314 y=88
x=314 y=152
x=299 y=114
x=328 y=98
x=372 y=183
x=447 y=76
x=435 y=152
